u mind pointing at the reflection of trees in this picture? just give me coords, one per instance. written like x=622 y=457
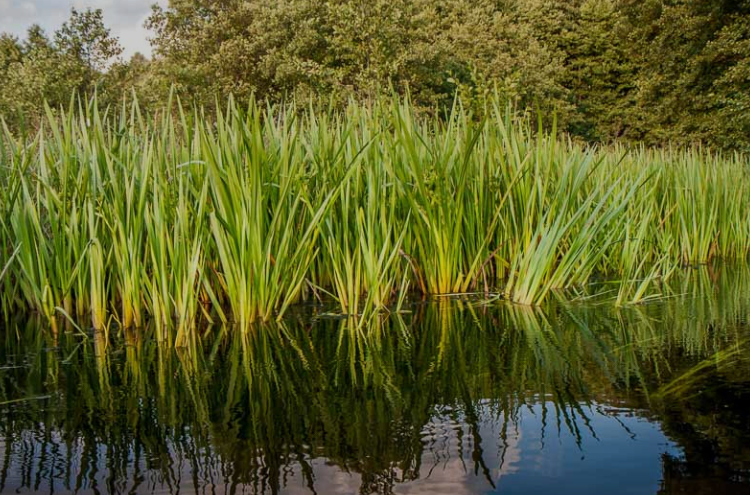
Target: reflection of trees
x=251 y=409
x=705 y=410
x=715 y=438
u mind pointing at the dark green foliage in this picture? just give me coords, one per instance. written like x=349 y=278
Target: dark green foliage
x=43 y=69
x=693 y=58
x=653 y=71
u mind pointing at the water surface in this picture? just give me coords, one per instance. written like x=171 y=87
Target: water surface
x=454 y=396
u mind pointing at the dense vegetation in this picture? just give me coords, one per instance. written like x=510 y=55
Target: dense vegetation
x=135 y=216
x=652 y=71
x=148 y=199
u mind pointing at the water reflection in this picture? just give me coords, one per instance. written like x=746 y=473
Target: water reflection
x=453 y=397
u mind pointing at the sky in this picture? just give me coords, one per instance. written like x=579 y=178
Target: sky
x=123 y=17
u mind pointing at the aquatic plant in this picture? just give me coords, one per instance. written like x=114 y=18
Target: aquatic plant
x=236 y=214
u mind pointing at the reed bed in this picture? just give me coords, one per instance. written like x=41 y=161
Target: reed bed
x=179 y=218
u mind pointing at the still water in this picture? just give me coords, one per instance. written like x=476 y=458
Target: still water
x=453 y=396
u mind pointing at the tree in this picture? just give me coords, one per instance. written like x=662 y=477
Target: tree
x=694 y=78
x=10 y=52
x=35 y=73
x=85 y=39
x=41 y=69
x=651 y=71
x=352 y=48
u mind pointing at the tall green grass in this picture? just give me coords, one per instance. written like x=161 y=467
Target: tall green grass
x=183 y=219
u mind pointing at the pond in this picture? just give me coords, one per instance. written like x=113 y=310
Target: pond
x=453 y=396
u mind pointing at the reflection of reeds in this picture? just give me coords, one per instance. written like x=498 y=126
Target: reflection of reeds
x=685 y=384
x=376 y=399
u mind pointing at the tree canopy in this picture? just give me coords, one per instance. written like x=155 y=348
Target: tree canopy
x=652 y=71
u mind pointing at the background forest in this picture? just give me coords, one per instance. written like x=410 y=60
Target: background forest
x=652 y=71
